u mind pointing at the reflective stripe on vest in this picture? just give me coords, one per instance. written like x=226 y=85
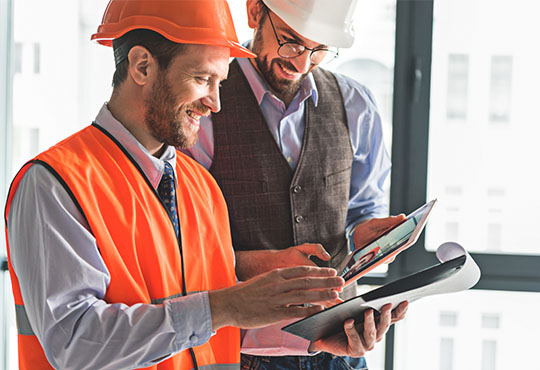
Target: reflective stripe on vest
x=131 y=228
x=220 y=367
x=23 y=324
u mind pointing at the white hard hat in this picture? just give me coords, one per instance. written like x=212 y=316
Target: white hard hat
x=323 y=21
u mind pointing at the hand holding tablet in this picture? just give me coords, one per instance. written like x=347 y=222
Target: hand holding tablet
x=388 y=245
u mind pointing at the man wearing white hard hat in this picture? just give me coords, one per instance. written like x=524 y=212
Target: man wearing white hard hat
x=299 y=155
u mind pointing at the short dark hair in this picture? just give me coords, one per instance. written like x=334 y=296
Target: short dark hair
x=160 y=47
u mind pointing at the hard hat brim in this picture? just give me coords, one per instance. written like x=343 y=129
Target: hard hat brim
x=109 y=32
x=204 y=22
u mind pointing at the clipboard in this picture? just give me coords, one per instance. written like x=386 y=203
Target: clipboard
x=457 y=271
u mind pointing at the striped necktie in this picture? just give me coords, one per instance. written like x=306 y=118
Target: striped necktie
x=167 y=193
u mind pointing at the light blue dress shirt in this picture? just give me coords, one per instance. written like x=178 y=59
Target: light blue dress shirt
x=63 y=279
x=371 y=162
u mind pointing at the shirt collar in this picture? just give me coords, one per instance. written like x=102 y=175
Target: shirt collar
x=151 y=166
x=259 y=88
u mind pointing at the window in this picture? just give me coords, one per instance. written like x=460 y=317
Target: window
x=438 y=149
x=458 y=83
x=448 y=319
x=490 y=321
x=17 y=57
x=37 y=58
x=26 y=58
x=454 y=190
x=483 y=68
x=452 y=230
x=500 y=92
x=447 y=354
x=430 y=339
x=494 y=237
x=53 y=85
x=489 y=352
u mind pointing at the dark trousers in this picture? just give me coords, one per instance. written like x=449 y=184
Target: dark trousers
x=321 y=361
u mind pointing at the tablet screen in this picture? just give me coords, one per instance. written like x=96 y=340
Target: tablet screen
x=400 y=236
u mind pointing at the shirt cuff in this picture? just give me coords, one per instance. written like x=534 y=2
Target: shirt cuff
x=349 y=232
x=192 y=321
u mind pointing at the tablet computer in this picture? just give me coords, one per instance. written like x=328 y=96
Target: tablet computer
x=386 y=246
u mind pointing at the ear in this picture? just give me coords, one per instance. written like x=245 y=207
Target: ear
x=142 y=65
x=254 y=12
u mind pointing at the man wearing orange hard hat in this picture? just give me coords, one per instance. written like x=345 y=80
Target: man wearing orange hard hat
x=299 y=154
x=119 y=246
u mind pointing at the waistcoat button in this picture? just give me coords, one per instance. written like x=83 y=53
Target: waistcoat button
x=299 y=219
x=297 y=189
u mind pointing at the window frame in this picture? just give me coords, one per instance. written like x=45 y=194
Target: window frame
x=411 y=114
x=6 y=84
x=6 y=131
x=412 y=90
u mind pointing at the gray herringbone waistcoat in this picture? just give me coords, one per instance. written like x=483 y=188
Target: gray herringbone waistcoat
x=270 y=206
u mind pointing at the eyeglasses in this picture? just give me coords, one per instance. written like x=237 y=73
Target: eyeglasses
x=290 y=49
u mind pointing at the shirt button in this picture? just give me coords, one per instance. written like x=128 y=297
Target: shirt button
x=289 y=159
x=297 y=189
x=299 y=219
x=194 y=338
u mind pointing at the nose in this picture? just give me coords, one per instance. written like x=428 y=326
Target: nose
x=212 y=99
x=302 y=62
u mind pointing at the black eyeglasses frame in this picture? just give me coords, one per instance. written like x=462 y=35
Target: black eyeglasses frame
x=333 y=54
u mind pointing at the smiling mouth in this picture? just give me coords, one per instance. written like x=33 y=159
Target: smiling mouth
x=288 y=72
x=195 y=117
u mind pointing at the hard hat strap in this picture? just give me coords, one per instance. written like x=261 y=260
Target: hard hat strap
x=121 y=51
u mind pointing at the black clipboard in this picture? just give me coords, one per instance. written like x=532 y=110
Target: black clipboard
x=330 y=321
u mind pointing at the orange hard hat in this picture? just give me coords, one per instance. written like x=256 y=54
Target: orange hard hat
x=206 y=22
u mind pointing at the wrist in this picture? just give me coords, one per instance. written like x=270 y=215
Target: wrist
x=221 y=309
x=350 y=237
x=255 y=262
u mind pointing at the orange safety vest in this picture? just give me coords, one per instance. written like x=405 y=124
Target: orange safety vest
x=136 y=238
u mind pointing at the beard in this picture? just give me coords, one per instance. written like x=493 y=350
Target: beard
x=165 y=122
x=282 y=86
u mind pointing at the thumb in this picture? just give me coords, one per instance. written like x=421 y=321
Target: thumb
x=316 y=250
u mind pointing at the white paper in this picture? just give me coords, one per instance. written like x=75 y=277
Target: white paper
x=463 y=279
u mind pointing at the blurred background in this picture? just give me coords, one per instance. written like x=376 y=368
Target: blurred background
x=456 y=82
